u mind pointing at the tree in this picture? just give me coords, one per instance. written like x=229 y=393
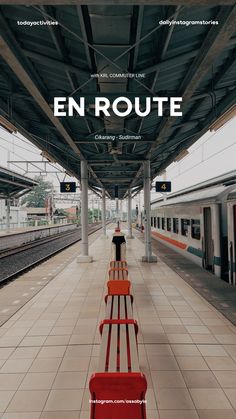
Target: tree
x=36 y=197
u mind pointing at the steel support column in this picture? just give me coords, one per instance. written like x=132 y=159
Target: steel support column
x=147 y=220
x=84 y=257
x=129 y=214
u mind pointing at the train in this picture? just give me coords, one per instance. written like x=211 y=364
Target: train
x=200 y=223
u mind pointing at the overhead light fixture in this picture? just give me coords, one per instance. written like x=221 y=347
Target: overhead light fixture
x=181 y=155
x=223 y=119
x=7 y=125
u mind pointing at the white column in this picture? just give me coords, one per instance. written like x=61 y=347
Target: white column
x=104 y=212
x=117 y=210
x=84 y=257
x=147 y=220
x=93 y=220
x=8 y=213
x=129 y=214
x=121 y=209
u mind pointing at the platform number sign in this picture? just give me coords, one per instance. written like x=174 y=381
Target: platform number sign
x=67 y=187
x=163 y=186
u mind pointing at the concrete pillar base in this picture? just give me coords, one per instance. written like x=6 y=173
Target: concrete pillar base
x=84 y=259
x=150 y=259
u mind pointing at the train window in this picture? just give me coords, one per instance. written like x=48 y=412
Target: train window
x=195 y=229
x=168 y=224
x=184 y=226
x=158 y=222
x=151 y=221
x=163 y=223
x=155 y=222
x=176 y=225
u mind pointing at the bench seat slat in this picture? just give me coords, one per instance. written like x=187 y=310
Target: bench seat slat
x=129 y=308
x=122 y=307
x=103 y=349
x=112 y=367
x=118 y=273
x=123 y=349
x=133 y=349
x=118 y=264
x=115 y=307
x=109 y=308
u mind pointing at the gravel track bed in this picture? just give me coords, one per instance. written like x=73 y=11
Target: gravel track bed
x=11 y=265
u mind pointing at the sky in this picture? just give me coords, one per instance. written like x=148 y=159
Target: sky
x=212 y=155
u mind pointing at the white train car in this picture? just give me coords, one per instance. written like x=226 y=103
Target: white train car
x=231 y=217
x=201 y=226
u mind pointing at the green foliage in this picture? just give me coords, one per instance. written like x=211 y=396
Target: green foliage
x=36 y=197
x=94 y=214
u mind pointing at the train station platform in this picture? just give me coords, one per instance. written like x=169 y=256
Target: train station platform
x=19 y=236
x=19 y=230
x=49 y=348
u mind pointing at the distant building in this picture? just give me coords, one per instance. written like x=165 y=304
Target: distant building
x=18 y=216
x=71 y=213
x=35 y=213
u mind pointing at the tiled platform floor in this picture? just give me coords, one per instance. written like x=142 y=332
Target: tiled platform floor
x=22 y=290
x=50 y=347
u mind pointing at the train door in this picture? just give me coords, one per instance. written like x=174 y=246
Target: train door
x=208 y=242
x=233 y=250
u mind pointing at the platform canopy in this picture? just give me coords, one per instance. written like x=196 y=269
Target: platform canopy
x=14 y=185
x=38 y=63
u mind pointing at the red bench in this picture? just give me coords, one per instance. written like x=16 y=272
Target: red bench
x=119 y=379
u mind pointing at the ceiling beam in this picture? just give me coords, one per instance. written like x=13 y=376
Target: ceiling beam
x=112 y=162
x=178 y=60
x=8 y=55
x=136 y=24
x=120 y=2
x=14 y=183
x=224 y=69
x=85 y=26
x=161 y=54
x=41 y=145
x=58 y=42
x=5 y=29
x=116 y=180
x=54 y=63
x=88 y=141
x=214 y=43
x=7 y=52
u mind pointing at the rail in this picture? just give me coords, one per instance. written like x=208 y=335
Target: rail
x=23 y=259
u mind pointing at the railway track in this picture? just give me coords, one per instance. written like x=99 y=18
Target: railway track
x=15 y=261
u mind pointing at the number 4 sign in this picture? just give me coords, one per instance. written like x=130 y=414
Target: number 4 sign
x=163 y=186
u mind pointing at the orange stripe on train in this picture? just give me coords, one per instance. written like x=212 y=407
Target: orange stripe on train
x=169 y=240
